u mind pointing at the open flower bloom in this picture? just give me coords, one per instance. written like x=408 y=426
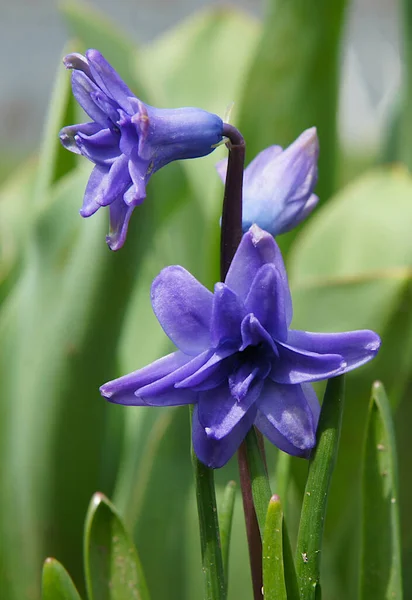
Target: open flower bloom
x=128 y=140
x=238 y=362
x=278 y=185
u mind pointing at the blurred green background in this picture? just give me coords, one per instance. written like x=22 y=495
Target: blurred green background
x=73 y=315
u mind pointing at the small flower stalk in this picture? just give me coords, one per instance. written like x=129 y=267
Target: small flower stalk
x=128 y=140
x=278 y=185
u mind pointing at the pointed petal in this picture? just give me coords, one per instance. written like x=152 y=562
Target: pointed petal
x=227 y=314
x=82 y=88
x=67 y=134
x=108 y=80
x=119 y=221
x=266 y=300
x=114 y=183
x=90 y=205
x=212 y=373
x=356 y=347
x=294 y=213
x=254 y=334
x=137 y=169
x=260 y=169
x=215 y=453
x=78 y=62
x=286 y=419
x=101 y=147
x=122 y=390
x=183 y=307
x=256 y=249
x=163 y=385
x=301 y=366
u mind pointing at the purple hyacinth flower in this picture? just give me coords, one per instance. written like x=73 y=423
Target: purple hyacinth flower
x=238 y=361
x=128 y=140
x=278 y=185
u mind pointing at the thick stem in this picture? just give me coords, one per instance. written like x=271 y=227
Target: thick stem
x=230 y=239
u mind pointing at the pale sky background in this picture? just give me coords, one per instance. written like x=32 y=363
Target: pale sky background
x=32 y=35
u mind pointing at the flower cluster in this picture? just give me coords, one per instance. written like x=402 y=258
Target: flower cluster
x=128 y=140
x=238 y=361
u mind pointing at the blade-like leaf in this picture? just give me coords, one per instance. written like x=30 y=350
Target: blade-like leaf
x=274 y=586
x=310 y=536
x=225 y=519
x=381 y=576
x=56 y=582
x=112 y=566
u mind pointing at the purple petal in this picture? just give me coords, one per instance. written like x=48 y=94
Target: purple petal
x=137 y=170
x=163 y=385
x=254 y=334
x=215 y=453
x=90 y=204
x=183 y=307
x=78 y=62
x=219 y=412
x=254 y=169
x=294 y=213
x=114 y=183
x=122 y=390
x=356 y=347
x=119 y=221
x=242 y=382
x=108 y=80
x=212 y=373
x=266 y=300
x=256 y=249
x=286 y=419
x=82 y=88
x=67 y=134
x=227 y=314
x=301 y=366
x=101 y=148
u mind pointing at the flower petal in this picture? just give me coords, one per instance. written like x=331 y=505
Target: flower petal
x=83 y=88
x=215 y=453
x=114 y=183
x=122 y=390
x=119 y=222
x=227 y=314
x=254 y=334
x=257 y=248
x=108 y=80
x=266 y=300
x=183 y=307
x=90 y=205
x=286 y=419
x=212 y=373
x=356 y=347
x=301 y=366
x=101 y=147
x=67 y=134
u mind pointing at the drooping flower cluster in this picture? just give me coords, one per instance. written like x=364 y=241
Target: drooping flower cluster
x=278 y=185
x=128 y=140
x=238 y=361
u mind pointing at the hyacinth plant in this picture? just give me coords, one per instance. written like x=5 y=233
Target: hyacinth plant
x=217 y=431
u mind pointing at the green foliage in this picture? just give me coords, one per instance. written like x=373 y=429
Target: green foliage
x=381 y=549
x=56 y=582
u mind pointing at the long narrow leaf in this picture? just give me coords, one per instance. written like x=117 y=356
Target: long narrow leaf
x=226 y=518
x=381 y=577
x=274 y=585
x=57 y=583
x=309 y=544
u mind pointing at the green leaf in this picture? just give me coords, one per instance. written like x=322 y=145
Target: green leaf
x=54 y=160
x=258 y=477
x=294 y=80
x=381 y=576
x=274 y=585
x=226 y=518
x=56 y=582
x=321 y=465
x=112 y=566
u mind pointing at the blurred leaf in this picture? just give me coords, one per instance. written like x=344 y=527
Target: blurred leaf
x=56 y=582
x=294 y=80
x=321 y=466
x=112 y=567
x=350 y=269
x=54 y=160
x=381 y=577
x=273 y=570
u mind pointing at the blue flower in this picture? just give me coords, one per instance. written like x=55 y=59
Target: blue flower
x=128 y=140
x=278 y=185
x=238 y=361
